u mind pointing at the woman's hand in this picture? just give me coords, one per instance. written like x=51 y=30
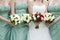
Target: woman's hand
x=47 y=24
x=12 y=13
x=27 y=24
x=37 y=23
x=59 y=17
x=11 y=23
x=56 y=20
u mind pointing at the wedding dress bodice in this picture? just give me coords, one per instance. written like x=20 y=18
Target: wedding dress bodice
x=37 y=8
x=42 y=32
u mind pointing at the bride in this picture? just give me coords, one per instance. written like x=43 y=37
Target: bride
x=41 y=32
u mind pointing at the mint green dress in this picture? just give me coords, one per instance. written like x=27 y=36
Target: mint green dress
x=55 y=29
x=4 y=27
x=19 y=32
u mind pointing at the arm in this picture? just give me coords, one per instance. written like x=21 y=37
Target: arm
x=6 y=20
x=12 y=6
x=56 y=20
x=46 y=3
x=51 y=2
x=29 y=2
x=30 y=6
x=3 y=19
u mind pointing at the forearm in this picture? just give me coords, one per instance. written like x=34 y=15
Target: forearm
x=3 y=19
x=56 y=20
x=12 y=6
x=30 y=5
x=29 y=11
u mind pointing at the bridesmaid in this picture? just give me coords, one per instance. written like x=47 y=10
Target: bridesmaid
x=19 y=32
x=54 y=8
x=4 y=27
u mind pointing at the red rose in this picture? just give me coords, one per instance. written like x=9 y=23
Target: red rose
x=41 y=15
x=39 y=19
x=34 y=14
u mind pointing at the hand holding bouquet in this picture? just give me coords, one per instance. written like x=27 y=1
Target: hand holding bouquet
x=37 y=17
x=49 y=18
x=26 y=18
x=15 y=19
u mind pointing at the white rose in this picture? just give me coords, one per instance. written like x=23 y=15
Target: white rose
x=49 y=17
x=30 y=18
x=50 y=13
x=16 y=19
x=15 y=22
x=27 y=21
x=52 y=18
x=38 y=16
x=19 y=21
x=45 y=18
x=34 y=17
x=46 y=14
x=12 y=19
x=42 y=18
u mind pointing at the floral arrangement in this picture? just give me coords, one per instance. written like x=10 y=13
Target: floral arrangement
x=26 y=18
x=15 y=19
x=49 y=17
x=37 y=17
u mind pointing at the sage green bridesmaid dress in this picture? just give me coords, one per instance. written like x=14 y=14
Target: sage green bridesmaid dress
x=4 y=27
x=55 y=29
x=19 y=32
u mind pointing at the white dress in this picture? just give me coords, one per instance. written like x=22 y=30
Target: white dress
x=42 y=33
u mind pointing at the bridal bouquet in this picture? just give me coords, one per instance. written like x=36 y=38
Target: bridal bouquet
x=37 y=17
x=49 y=17
x=15 y=19
x=26 y=18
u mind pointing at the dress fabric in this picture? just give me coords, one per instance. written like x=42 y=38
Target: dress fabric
x=55 y=29
x=4 y=27
x=19 y=32
x=41 y=33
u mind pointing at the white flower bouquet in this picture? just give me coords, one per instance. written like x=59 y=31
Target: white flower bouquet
x=15 y=19
x=49 y=17
x=26 y=18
